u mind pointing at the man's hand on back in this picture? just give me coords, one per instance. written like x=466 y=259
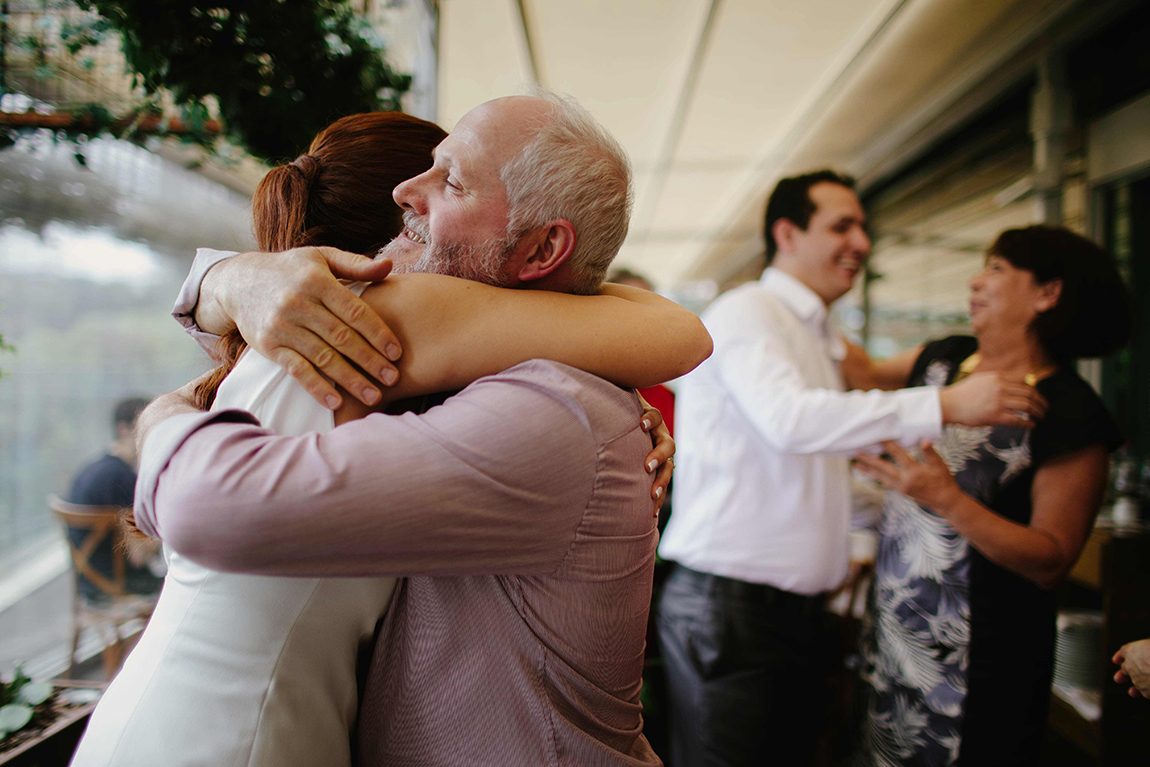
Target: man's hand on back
x=292 y=309
x=988 y=399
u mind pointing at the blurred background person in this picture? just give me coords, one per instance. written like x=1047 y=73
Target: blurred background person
x=1134 y=658
x=111 y=481
x=977 y=532
x=760 y=528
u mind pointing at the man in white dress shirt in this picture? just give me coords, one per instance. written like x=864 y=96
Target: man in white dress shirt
x=762 y=499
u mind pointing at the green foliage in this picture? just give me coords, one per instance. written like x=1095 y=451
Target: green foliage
x=279 y=70
x=18 y=701
x=4 y=348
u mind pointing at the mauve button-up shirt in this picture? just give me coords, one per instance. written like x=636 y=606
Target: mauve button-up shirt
x=520 y=512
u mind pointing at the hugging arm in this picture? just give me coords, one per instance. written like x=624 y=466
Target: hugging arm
x=495 y=480
x=291 y=309
x=455 y=331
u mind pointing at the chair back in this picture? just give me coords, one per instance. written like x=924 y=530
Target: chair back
x=98 y=522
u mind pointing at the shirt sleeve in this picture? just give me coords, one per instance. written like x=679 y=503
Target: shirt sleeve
x=759 y=368
x=185 y=309
x=494 y=481
x=1076 y=418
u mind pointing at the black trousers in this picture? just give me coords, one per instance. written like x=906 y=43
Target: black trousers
x=747 y=671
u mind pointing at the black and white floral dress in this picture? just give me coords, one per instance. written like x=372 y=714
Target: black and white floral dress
x=958 y=651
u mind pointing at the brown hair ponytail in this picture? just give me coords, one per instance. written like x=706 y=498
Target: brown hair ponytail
x=337 y=194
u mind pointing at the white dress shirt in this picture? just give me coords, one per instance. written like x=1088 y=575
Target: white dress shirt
x=765 y=431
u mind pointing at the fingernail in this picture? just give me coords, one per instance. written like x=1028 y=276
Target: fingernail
x=390 y=376
x=332 y=401
x=392 y=352
x=658 y=492
x=370 y=396
x=646 y=423
x=651 y=466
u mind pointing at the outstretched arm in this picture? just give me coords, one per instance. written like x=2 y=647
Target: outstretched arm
x=861 y=371
x=291 y=309
x=496 y=480
x=455 y=331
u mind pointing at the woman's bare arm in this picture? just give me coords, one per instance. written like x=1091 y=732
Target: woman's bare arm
x=1065 y=498
x=454 y=331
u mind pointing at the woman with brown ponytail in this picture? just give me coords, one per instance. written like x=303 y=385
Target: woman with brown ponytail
x=251 y=670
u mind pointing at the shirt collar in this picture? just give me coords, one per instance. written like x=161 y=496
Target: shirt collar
x=806 y=305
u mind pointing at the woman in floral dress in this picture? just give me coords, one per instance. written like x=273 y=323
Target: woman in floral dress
x=979 y=528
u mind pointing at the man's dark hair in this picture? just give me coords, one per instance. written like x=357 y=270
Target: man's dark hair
x=791 y=200
x=127 y=411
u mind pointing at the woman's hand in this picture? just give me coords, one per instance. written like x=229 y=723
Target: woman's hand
x=292 y=309
x=928 y=482
x=1135 y=661
x=660 y=460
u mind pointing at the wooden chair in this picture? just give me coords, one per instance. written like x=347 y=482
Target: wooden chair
x=100 y=523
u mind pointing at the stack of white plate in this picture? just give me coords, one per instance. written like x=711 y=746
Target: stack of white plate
x=1078 y=649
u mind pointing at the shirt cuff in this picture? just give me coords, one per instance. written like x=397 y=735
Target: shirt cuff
x=921 y=413
x=162 y=443
x=185 y=309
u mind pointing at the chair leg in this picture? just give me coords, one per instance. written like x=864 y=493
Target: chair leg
x=75 y=647
x=112 y=656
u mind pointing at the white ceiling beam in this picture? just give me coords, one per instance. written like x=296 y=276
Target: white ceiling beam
x=649 y=201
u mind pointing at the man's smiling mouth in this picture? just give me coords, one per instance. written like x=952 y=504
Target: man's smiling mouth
x=414 y=237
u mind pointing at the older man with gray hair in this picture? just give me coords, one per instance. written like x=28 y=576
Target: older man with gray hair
x=529 y=542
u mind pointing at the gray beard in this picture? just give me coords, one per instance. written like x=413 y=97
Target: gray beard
x=480 y=263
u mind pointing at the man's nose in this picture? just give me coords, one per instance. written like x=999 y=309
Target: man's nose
x=409 y=195
x=861 y=241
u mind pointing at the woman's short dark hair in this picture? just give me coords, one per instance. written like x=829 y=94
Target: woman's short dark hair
x=791 y=200
x=1093 y=315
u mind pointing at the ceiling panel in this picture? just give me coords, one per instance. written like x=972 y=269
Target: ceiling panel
x=714 y=100
x=764 y=64
x=482 y=55
x=687 y=201
x=625 y=61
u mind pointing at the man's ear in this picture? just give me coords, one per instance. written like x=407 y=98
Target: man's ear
x=783 y=231
x=548 y=248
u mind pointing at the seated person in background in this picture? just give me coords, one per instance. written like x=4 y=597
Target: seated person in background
x=111 y=481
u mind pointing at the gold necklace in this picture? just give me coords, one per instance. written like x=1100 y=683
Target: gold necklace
x=970 y=363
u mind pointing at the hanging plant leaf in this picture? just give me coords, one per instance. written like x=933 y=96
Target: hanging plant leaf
x=278 y=71
x=34 y=693
x=13 y=717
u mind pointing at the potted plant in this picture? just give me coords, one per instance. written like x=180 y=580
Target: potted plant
x=41 y=722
